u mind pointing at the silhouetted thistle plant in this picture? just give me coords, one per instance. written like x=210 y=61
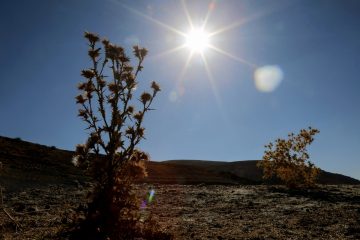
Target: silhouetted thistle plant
x=110 y=154
x=289 y=160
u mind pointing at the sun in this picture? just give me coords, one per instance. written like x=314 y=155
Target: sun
x=197 y=40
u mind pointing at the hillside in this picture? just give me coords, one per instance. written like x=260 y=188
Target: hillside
x=239 y=172
x=28 y=164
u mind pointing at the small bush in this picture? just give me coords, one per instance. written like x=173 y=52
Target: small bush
x=110 y=153
x=288 y=160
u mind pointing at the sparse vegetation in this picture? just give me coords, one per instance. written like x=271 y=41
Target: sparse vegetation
x=288 y=160
x=45 y=205
x=110 y=154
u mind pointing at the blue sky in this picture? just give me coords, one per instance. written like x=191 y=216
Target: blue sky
x=210 y=111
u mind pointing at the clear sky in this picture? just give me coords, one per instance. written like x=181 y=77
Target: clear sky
x=211 y=107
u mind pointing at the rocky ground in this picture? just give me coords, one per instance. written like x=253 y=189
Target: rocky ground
x=201 y=211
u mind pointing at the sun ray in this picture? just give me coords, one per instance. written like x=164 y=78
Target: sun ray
x=187 y=14
x=154 y=20
x=215 y=91
x=208 y=14
x=212 y=82
x=241 y=60
x=236 y=24
x=179 y=80
x=167 y=52
x=186 y=65
x=249 y=19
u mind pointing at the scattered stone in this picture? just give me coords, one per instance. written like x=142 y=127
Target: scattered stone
x=206 y=212
x=18 y=207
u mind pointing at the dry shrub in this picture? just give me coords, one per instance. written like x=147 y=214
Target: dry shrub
x=288 y=160
x=110 y=154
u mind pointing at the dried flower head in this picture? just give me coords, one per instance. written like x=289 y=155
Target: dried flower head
x=83 y=114
x=130 y=109
x=143 y=52
x=130 y=131
x=155 y=86
x=145 y=97
x=140 y=53
x=130 y=79
x=88 y=73
x=124 y=59
x=105 y=42
x=75 y=160
x=81 y=86
x=80 y=99
x=128 y=68
x=139 y=156
x=113 y=51
x=113 y=87
x=141 y=132
x=92 y=37
x=89 y=87
x=94 y=53
x=139 y=116
x=81 y=149
x=136 y=51
x=101 y=82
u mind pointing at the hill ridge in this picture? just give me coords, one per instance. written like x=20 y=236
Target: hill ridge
x=27 y=163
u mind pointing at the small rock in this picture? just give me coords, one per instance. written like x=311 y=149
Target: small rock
x=32 y=210
x=18 y=207
x=81 y=207
x=217 y=225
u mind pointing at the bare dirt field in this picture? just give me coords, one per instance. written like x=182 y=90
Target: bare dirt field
x=202 y=211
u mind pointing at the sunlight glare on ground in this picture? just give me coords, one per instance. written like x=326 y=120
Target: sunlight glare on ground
x=197 y=40
x=268 y=78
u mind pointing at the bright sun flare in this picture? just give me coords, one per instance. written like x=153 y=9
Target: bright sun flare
x=197 y=40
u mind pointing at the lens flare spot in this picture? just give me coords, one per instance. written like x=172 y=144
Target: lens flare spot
x=268 y=78
x=151 y=195
x=173 y=96
x=143 y=204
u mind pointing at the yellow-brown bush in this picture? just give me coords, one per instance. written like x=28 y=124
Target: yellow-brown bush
x=288 y=160
x=110 y=154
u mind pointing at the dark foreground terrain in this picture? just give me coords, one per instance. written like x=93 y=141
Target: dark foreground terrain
x=193 y=199
x=202 y=211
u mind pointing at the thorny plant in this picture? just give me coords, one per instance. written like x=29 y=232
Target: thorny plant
x=115 y=129
x=288 y=160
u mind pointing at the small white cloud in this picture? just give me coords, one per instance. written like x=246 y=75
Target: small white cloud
x=268 y=78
